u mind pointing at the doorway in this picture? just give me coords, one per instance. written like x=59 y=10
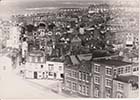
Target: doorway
x=35 y=75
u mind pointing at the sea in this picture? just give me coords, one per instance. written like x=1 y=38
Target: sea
x=12 y=7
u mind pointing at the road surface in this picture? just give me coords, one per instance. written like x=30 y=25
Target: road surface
x=15 y=87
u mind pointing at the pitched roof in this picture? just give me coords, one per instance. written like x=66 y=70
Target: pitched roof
x=74 y=60
x=85 y=57
x=77 y=59
x=99 y=53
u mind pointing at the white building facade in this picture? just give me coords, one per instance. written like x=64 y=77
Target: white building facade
x=37 y=67
x=14 y=37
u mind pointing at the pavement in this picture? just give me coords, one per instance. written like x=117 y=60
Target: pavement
x=13 y=86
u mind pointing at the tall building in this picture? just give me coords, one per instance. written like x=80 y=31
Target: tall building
x=93 y=78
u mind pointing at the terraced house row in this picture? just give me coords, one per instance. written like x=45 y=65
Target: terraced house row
x=99 y=78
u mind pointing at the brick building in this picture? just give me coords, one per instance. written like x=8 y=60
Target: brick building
x=90 y=77
x=126 y=87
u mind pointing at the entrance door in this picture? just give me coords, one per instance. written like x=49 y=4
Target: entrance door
x=35 y=75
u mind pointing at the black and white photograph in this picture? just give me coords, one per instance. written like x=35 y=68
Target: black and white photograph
x=69 y=49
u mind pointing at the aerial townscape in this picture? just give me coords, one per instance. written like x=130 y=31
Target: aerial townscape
x=71 y=52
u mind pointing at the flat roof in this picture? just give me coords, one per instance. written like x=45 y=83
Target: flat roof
x=111 y=62
x=127 y=79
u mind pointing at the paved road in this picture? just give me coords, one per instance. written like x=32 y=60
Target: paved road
x=15 y=87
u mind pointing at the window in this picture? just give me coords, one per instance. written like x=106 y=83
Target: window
x=108 y=71
x=87 y=90
x=84 y=89
x=69 y=73
x=60 y=68
x=97 y=79
x=30 y=59
x=127 y=69
x=33 y=59
x=68 y=84
x=115 y=71
x=50 y=74
x=84 y=76
x=42 y=59
x=87 y=78
x=108 y=93
x=120 y=86
x=80 y=88
x=50 y=64
x=62 y=75
x=108 y=83
x=119 y=95
x=96 y=68
x=134 y=69
x=96 y=92
x=51 y=68
x=120 y=70
x=36 y=60
x=39 y=60
x=74 y=74
x=80 y=75
x=74 y=86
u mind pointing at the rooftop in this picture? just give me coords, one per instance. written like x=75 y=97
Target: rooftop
x=127 y=79
x=36 y=53
x=111 y=62
x=99 y=53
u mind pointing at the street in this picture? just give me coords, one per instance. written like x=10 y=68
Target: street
x=15 y=87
